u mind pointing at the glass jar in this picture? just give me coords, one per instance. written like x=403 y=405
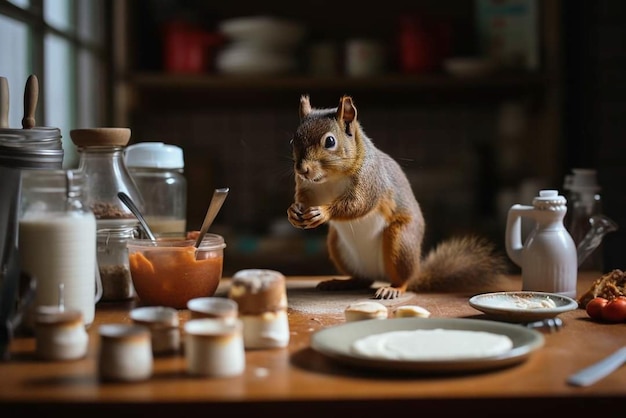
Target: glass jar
x=101 y=157
x=584 y=201
x=157 y=169
x=20 y=149
x=57 y=241
x=113 y=264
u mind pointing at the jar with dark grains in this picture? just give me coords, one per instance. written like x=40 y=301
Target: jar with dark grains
x=117 y=284
x=101 y=157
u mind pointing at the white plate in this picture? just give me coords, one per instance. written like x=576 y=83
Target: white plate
x=524 y=306
x=336 y=342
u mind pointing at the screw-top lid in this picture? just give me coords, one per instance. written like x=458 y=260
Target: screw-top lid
x=154 y=155
x=102 y=137
x=582 y=180
x=31 y=148
x=549 y=199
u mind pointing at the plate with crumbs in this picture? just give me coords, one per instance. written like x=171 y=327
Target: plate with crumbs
x=522 y=306
x=426 y=345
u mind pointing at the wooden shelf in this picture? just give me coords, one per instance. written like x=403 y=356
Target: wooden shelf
x=169 y=90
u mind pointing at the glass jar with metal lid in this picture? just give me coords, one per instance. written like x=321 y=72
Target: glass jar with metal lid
x=20 y=149
x=101 y=158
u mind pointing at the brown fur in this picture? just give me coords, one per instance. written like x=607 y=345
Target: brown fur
x=346 y=181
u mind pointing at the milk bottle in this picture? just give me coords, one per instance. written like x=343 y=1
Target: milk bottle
x=57 y=241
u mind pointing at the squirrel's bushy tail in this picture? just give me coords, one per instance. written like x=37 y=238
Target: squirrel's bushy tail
x=467 y=263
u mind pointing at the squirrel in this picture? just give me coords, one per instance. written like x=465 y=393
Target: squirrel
x=375 y=223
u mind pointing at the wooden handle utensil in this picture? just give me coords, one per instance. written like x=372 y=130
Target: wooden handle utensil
x=31 y=95
x=4 y=102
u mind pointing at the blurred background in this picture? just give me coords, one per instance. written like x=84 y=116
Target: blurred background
x=482 y=102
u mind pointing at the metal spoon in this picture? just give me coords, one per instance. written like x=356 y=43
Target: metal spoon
x=133 y=208
x=219 y=195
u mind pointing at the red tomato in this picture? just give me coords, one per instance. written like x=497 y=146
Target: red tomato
x=595 y=307
x=615 y=310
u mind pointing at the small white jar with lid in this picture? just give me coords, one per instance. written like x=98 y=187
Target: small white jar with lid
x=157 y=169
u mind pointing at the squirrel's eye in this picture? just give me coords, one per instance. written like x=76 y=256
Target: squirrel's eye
x=330 y=142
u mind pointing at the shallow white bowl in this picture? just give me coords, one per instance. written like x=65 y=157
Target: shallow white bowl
x=263 y=30
x=469 y=66
x=523 y=306
x=247 y=60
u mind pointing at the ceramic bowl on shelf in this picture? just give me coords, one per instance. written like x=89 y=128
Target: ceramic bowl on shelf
x=171 y=271
x=265 y=31
x=469 y=66
x=241 y=58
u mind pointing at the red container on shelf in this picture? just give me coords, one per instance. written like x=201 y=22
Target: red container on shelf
x=422 y=44
x=187 y=48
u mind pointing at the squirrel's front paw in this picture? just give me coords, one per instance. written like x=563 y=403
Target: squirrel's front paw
x=313 y=217
x=294 y=215
x=306 y=219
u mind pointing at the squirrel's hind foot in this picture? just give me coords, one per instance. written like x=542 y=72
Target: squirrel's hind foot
x=388 y=292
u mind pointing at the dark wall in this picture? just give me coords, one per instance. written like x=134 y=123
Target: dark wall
x=595 y=105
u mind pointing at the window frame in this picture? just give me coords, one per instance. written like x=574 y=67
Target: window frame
x=37 y=28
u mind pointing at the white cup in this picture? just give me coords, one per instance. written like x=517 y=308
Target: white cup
x=125 y=352
x=214 y=348
x=364 y=57
x=163 y=324
x=213 y=307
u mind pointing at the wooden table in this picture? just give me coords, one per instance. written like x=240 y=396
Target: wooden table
x=298 y=380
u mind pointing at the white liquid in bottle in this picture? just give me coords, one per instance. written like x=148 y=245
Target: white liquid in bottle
x=60 y=248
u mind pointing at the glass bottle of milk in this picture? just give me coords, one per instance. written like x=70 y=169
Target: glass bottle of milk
x=57 y=241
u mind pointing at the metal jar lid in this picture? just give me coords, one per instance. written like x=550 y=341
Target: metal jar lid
x=36 y=148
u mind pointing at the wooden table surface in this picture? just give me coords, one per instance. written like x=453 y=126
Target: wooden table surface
x=297 y=379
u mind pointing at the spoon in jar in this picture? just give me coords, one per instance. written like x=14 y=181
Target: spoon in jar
x=133 y=208
x=219 y=195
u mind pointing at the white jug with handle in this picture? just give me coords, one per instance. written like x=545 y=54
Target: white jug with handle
x=548 y=258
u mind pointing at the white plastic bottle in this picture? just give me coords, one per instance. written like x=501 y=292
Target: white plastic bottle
x=548 y=257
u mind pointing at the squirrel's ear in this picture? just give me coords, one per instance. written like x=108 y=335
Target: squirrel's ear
x=305 y=106
x=346 y=112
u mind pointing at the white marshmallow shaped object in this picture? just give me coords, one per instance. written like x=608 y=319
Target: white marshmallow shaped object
x=125 y=352
x=163 y=323
x=360 y=311
x=261 y=296
x=214 y=347
x=60 y=334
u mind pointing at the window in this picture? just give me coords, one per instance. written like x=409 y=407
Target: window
x=62 y=42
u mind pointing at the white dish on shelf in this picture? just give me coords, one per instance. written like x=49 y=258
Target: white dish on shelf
x=469 y=66
x=522 y=306
x=336 y=342
x=268 y=31
x=246 y=60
